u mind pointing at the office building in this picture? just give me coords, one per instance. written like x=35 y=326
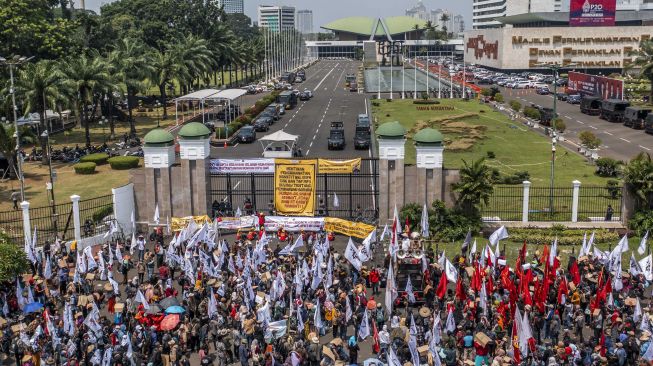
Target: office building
x=635 y=5
x=232 y=6
x=419 y=11
x=276 y=18
x=485 y=12
x=458 y=24
x=304 y=21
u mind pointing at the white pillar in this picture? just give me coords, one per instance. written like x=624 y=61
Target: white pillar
x=27 y=228
x=524 y=210
x=76 y=220
x=574 y=204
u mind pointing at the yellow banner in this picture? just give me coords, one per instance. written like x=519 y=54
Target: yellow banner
x=339 y=166
x=349 y=228
x=178 y=223
x=294 y=187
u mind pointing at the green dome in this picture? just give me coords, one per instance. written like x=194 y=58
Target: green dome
x=391 y=130
x=158 y=137
x=428 y=136
x=194 y=131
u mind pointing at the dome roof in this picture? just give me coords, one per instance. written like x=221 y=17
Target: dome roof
x=428 y=136
x=158 y=136
x=194 y=130
x=391 y=129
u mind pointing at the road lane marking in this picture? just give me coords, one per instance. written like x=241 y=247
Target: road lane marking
x=594 y=127
x=608 y=133
x=324 y=78
x=623 y=139
x=567 y=117
x=645 y=148
x=581 y=122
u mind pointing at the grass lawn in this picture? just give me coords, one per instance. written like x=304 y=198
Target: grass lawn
x=471 y=130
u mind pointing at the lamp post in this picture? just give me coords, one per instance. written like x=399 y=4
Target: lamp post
x=554 y=140
x=555 y=69
x=103 y=122
x=14 y=62
x=158 y=113
x=46 y=136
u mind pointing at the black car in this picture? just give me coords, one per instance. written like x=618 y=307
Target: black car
x=574 y=99
x=272 y=111
x=562 y=96
x=246 y=134
x=336 y=140
x=262 y=123
x=304 y=96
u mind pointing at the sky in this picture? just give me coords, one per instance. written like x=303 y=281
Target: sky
x=327 y=11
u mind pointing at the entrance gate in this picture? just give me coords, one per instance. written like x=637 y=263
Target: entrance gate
x=356 y=194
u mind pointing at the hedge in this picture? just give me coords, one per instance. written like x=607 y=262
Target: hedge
x=85 y=168
x=101 y=213
x=565 y=236
x=98 y=158
x=124 y=162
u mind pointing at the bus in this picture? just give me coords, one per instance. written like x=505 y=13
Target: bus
x=288 y=99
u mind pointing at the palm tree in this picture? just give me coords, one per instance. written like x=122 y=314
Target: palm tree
x=644 y=61
x=638 y=174
x=475 y=186
x=38 y=87
x=444 y=18
x=8 y=144
x=85 y=78
x=167 y=66
x=130 y=58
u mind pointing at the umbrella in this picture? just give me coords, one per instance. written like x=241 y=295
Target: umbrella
x=169 y=322
x=175 y=310
x=154 y=309
x=32 y=307
x=168 y=302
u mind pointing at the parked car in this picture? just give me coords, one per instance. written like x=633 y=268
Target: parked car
x=262 y=123
x=304 y=96
x=562 y=96
x=247 y=134
x=309 y=92
x=543 y=90
x=298 y=79
x=272 y=110
x=574 y=99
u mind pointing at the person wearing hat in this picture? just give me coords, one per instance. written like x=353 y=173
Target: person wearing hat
x=374 y=278
x=140 y=245
x=314 y=351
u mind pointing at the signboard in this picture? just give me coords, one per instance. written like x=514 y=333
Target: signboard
x=178 y=223
x=349 y=228
x=592 y=13
x=294 y=187
x=294 y=224
x=339 y=166
x=604 y=87
x=235 y=223
x=240 y=166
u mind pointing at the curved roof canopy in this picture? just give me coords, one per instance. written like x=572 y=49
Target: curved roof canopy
x=367 y=26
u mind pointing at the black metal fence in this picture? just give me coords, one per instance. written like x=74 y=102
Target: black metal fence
x=357 y=193
x=51 y=222
x=554 y=203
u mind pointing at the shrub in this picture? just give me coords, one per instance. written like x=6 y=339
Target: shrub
x=565 y=235
x=98 y=159
x=85 y=168
x=498 y=98
x=515 y=105
x=491 y=155
x=607 y=167
x=559 y=125
x=516 y=178
x=589 y=140
x=13 y=260
x=641 y=221
x=124 y=162
x=614 y=190
x=101 y=213
x=486 y=92
x=532 y=113
x=426 y=101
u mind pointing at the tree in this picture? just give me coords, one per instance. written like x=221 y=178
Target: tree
x=644 y=62
x=85 y=77
x=8 y=144
x=131 y=61
x=39 y=88
x=608 y=167
x=589 y=140
x=474 y=188
x=444 y=18
x=638 y=174
x=13 y=260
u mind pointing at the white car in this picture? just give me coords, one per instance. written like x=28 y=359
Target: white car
x=522 y=85
x=310 y=93
x=538 y=84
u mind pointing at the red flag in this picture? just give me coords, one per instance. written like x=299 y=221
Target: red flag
x=460 y=290
x=575 y=273
x=602 y=344
x=475 y=283
x=441 y=291
x=376 y=346
x=515 y=343
x=562 y=289
x=489 y=285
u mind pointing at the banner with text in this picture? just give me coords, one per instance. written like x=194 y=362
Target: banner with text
x=235 y=223
x=592 y=85
x=294 y=187
x=240 y=166
x=592 y=13
x=293 y=224
x=178 y=223
x=349 y=228
x=339 y=166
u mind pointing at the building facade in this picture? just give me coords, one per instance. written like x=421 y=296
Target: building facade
x=419 y=11
x=458 y=24
x=635 y=5
x=276 y=18
x=232 y=6
x=304 y=21
x=485 y=12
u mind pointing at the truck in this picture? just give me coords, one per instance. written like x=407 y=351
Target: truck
x=336 y=140
x=362 y=138
x=635 y=117
x=288 y=77
x=648 y=124
x=612 y=110
x=590 y=105
x=349 y=78
x=288 y=99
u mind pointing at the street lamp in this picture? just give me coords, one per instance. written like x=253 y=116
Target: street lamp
x=554 y=140
x=46 y=136
x=14 y=62
x=158 y=114
x=555 y=69
x=103 y=122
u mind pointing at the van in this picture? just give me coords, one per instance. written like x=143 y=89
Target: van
x=363 y=122
x=635 y=117
x=590 y=105
x=612 y=110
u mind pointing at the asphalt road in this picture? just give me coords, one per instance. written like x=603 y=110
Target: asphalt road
x=311 y=120
x=619 y=142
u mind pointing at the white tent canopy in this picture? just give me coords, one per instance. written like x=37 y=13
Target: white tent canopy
x=278 y=144
x=211 y=99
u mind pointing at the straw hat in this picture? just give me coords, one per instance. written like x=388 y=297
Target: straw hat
x=424 y=312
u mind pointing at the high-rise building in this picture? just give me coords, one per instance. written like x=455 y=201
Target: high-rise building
x=276 y=18
x=458 y=24
x=418 y=11
x=232 y=6
x=304 y=20
x=484 y=12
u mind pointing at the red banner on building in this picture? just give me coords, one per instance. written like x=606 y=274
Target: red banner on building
x=592 y=13
x=604 y=87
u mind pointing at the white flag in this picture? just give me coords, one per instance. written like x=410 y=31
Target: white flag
x=451 y=271
x=118 y=253
x=238 y=212
x=412 y=347
x=317 y=318
x=637 y=313
x=364 y=329
x=390 y=290
x=642 y=244
x=499 y=234
x=384 y=232
x=634 y=269
x=483 y=298
x=47 y=272
x=525 y=333
x=213 y=305
x=472 y=251
x=623 y=243
x=424 y=223
x=554 y=252
x=393 y=360
x=583 y=247
x=336 y=201
x=140 y=298
x=348 y=312
x=451 y=322
x=646 y=264
x=20 y=299
x=133 y=245
x=644 y=325
x=409 y=291
x=352 y=254
x=156 y=214
x=648 y=355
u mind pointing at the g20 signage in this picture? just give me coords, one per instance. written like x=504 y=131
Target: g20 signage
x=592 y=13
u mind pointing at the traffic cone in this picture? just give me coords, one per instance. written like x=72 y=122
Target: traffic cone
x=225 y=144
